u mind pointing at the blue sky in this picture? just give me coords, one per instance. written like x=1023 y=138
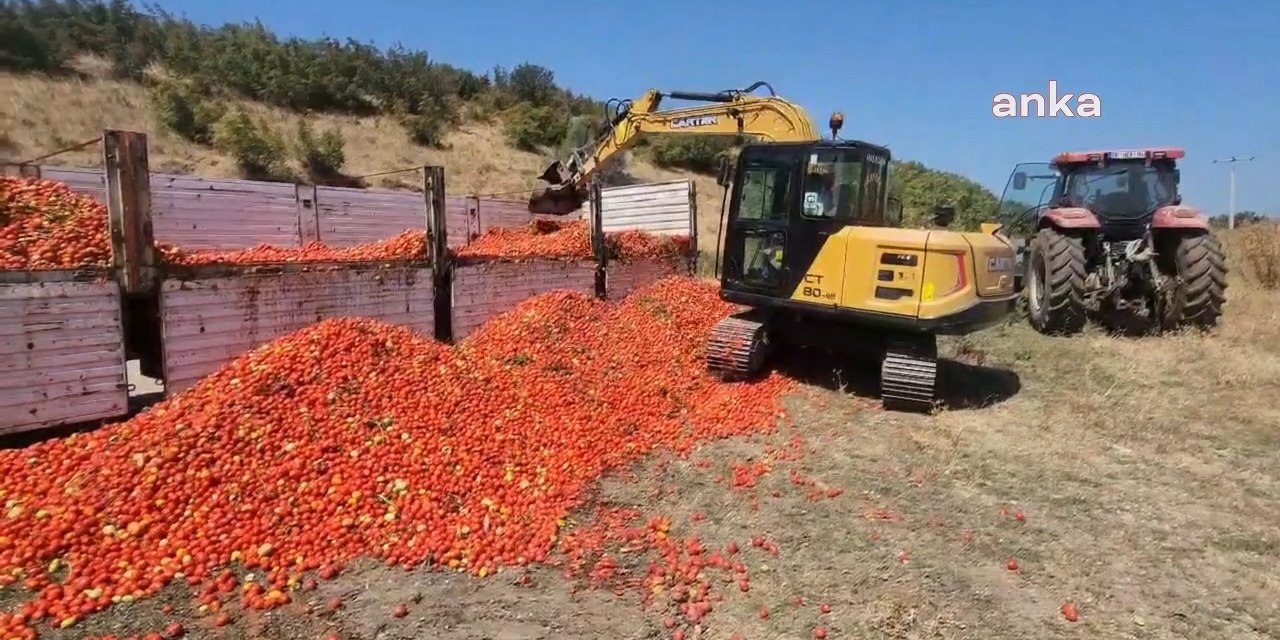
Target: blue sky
x=917 y=76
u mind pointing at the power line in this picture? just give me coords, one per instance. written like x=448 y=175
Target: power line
x=1231 y=206
x=78 y=145
x=386 y=173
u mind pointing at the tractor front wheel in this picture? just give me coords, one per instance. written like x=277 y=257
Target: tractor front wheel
x=1055 y=282
x=1200 y=268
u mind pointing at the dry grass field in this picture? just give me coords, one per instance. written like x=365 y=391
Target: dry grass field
x=1138 y=478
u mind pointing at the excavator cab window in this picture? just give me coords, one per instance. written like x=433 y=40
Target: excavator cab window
x=831 y=184
x=765 y=191
x=875 y=183
x=766 y=187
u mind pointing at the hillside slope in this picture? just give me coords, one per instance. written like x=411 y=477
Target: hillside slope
x=39 y=114
x=241 y=88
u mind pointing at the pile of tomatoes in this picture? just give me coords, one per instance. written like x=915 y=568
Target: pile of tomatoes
x=546 y=239
x=633 y=244
x=45 y=225
x=410 y=245
x=356 y=438
x=570 y=240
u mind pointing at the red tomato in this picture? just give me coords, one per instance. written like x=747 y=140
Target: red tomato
x=1070 y=612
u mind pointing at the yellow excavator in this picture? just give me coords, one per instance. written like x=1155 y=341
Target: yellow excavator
x=813 y=245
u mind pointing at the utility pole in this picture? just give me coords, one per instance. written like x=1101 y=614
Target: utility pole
x=1231 y=206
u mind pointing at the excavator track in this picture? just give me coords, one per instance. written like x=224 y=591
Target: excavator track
x=737 y=347
x=908 y=376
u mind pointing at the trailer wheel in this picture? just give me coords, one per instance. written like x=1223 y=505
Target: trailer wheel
x=1201 y=271
x=1055 y=282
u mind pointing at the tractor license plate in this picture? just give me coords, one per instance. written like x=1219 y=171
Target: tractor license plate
x=1128 y=155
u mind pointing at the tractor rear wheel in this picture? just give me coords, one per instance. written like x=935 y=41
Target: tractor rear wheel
x=1201 y=271
x=1055 y=282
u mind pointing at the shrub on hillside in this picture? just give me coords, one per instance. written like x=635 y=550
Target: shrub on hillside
x=259 y=152
x=430 y=120
x=529 y=127
x=533 y=84
x=1257 y=246
x=577 y=132
x=249 y=60
x=183 y=111
x=321 y=156
x=25 y=45
x=425 y=130
x=700 y=154
x=322 y=74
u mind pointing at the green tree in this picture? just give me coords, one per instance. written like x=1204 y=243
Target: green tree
x=259 y=152
x=26 y=44
x=321 y=156
x=921 y=189
x=529 y=127
x=432 y=120
x=182 y=110
x=700 y=154
x=533 y=84
x=1222 y=221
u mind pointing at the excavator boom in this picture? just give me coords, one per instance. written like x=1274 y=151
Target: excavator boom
x=735 y=112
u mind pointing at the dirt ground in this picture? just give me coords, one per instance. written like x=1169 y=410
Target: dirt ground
x=1136 y=478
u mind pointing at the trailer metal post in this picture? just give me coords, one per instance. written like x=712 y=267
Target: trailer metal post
x=305 y=198
x=694 y=253
x=433 y=190
x=598 y=245
x=124 y=155
x=474 y=223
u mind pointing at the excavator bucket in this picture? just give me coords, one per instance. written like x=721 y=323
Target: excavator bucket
x=561 y=197
x=556 y=200
x=555 y=174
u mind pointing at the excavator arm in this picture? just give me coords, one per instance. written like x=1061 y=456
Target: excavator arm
x=735 y=112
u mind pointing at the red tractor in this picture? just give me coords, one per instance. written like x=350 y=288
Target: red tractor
x=1110 y=239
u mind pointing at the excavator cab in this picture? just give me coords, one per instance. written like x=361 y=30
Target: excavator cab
x=788 y=198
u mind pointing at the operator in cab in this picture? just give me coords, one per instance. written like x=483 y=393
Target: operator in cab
x=819 y=192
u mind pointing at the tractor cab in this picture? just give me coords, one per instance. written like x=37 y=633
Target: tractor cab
x=1117 y=193
x=1122 y=189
